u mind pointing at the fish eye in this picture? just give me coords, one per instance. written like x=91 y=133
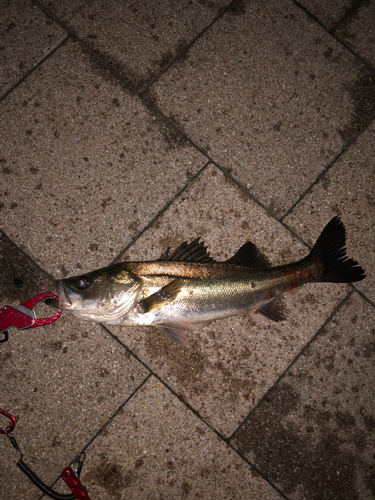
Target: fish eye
x=82 y=282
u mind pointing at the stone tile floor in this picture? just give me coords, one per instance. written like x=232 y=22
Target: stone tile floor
x=128 y=127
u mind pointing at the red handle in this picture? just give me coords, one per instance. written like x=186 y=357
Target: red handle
x=31 y=303
x=12 y=419
x=74 y=484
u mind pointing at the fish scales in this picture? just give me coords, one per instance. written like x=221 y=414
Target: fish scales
x=213 y=292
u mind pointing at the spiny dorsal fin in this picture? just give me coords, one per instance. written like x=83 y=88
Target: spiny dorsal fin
x=274 y=309
x=189 y=252
x=165 y=255
x=248 y=255
x=162 y=297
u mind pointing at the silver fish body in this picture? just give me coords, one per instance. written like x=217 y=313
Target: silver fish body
x=188 y=287
x=209 y=291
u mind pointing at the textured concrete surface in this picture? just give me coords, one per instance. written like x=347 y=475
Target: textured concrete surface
x=268 y=94
x=127 y=128
x=138 y=39
x=62 y=381
x=167 y=448
x=27 y=36
x=313 y=435
x=100 y=172
x=358 y=33
x=347 y=190
x=329 y=13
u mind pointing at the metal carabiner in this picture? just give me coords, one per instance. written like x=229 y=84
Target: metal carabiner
x=9 y=429
x=23 y=315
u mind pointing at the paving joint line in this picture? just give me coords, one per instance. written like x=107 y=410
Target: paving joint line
x=317 y=334
x=159 y=214
x=103 y=427
x=326 y=169
x=149 y=102
x=31 y=70
x=354 y=53
x=348 y=14
x=252 y=197
x=106 y=63
x=189 y=407
x=25 y=255
x=364 y=297
x=185 y=51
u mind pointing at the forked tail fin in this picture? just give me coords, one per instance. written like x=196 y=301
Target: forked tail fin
x=330 y=248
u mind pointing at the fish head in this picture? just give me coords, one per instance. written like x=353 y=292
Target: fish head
x=105 y=295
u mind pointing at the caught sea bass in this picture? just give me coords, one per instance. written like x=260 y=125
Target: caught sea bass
x=187 y=287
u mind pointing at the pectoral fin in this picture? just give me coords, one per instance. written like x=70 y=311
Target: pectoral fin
x=162 y=297
x=274 y=309
x=176 y=331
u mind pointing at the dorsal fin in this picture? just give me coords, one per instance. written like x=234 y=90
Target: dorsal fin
x=248 y=255
x=189 y=252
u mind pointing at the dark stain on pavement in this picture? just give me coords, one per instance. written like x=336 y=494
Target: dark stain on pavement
x=362 y=93
x=194 y=371
x=318 y=461
x=111 y=477
x=237 y=7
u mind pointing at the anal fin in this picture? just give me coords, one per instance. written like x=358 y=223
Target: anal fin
x=274 y=309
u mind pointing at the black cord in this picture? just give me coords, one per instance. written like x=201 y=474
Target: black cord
x=42 y=486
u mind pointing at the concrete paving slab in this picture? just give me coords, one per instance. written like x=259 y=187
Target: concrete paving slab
x=27 y=36
x=62 y=382
x=358 y=32
x=84 y=165
x=138 y=39
x=271 y=97
x=347 y=190
x=328 y=13
x=313 y=434
x=232 y=363
x=156 y=448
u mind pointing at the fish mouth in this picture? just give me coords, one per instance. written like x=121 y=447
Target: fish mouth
x=64 y=301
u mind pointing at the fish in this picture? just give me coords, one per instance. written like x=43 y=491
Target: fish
x=187 y=287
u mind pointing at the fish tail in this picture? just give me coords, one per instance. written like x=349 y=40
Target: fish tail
x=330 y=250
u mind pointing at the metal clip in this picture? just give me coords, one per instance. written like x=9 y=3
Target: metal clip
x=23 y=316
